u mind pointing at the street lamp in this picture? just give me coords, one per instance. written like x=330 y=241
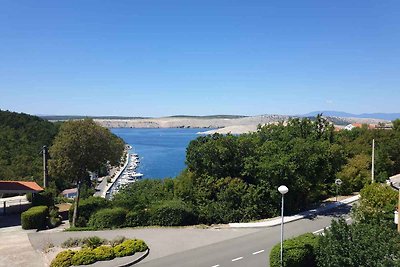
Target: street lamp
x=283 y=190
x=338 y=182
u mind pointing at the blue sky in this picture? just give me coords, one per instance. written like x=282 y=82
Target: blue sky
x=158 y=58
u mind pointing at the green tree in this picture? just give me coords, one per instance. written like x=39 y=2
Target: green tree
x=22 y=137
x=396 y=125
x=355 y=174
x=377 y=204
x=81 y=147
x=358 y=245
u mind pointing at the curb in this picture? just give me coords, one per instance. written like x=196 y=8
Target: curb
x=302 y=215
x=136 y=260
x=110 y=263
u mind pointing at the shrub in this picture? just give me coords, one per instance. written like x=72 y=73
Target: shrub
x=140 y=245
x=54 y=222
x=44 y=198
x=298 y=252
x=84 y=257
x=117 y=240
x=104 y=253
x=130 y=247
x=35 y=218
x=63 y=259
x=92 y=241
x=54 y=217
x=71 y=243
x=137 y=218
x=108 y=218
x=29 y=197
x=172 y=213
x=87 y=207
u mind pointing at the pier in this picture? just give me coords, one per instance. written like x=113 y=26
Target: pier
x=124 y=176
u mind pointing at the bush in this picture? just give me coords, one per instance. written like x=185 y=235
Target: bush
x=54 y=217
x=63 y=259
x=129 y=247
x=108 y=218
x=84 y=257
x=298 y=252
x=87 y=207
x=117 y=240
x=100 y=253
x=140 y=245
x=35 y=218
x=29 y=197
x=44 y=198
x=71 y=243
x=104 y=253
x=137 y=218
x=92 y=241
x=54 y=222
x=172 y=213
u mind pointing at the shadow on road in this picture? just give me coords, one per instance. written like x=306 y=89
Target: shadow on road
x=10 y=220
x=336 y=212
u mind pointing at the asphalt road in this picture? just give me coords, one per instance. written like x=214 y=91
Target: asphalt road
x=249 y=250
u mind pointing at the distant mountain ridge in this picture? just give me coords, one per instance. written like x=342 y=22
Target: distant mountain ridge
x=380 y=116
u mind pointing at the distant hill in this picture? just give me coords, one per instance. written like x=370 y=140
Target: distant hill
x=209 y=116
x=381 y=116
x=78 y=117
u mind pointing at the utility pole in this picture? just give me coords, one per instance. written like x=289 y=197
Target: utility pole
x=373 y=161
x=45 y=153
x=398 y=210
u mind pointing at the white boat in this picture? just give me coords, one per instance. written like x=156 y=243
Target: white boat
x=137 y=175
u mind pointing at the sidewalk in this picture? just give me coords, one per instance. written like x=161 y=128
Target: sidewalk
x=16 y=250
x=277 y=220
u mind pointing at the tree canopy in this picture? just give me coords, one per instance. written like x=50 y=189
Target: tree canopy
x=22 y=137
x=81 y=147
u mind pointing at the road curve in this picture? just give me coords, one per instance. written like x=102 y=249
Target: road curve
x=249 y=250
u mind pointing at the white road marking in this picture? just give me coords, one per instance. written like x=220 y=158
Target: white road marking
x=215 y=265
x=257 y=252
x=237 y=259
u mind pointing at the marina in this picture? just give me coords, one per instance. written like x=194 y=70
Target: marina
x=127 y=175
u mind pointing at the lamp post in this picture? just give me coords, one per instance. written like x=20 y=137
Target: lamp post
x=338 y=182
x=283 y=190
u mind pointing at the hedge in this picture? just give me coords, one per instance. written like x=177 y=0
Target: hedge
x=172 y=213
x=297 y=252
x=63 y=259
x=108 y=218
x=137 y=218
x=87 y=207
x=35 y=218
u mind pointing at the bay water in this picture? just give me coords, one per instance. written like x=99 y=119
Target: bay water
x=162 y=151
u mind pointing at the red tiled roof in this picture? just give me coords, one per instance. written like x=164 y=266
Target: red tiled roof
x=20 y=186
x=358 y=125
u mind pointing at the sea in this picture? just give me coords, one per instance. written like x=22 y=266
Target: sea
x=161 y=151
